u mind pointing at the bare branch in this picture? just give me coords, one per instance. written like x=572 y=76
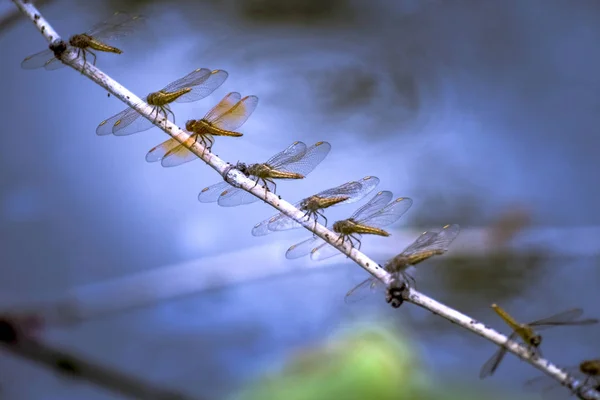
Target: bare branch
x=238 y=179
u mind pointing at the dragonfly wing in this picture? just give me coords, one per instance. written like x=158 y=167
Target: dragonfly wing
x=324 y=252
x=563 y=318
x=354 y=190
x=293 y=151
x=237 y=197
x=133 y=122
x=237 y=115
x=262 y=228
x=105 y=127
x=223 y=106
x=308 y=162
x=211 y=194
x=118 y=25
x=492 y=364
x=157 y=153
x=362 y=290
x=179 y=155
x=389 y=214
x=424 y=240
x=432 y=240
x=303 y=248
x=375 y=204
x=54 y=64
x=282 y=222
x=201 y=83
x=38 y=60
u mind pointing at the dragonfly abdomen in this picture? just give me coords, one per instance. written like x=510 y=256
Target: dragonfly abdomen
x=204 y=127
x=161 y=98
x=368 y=230
x=98 y=45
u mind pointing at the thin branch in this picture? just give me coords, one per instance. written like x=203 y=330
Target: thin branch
x=18 y=337
x=238 y=179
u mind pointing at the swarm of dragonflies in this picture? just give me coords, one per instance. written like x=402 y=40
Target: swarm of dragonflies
x=194 y=86
x=116 y=27
x=380 y=211
x=295 y=162
x=528 y=333
x=313 y=206
x=231 y=113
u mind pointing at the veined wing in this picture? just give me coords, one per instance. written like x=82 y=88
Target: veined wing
x=303 y=248
x=432 y=240
x=124 y=123
x=223 y=106
x=307 y=162
x=233 y=197
x=492 y=364
x=292 y=152
x=44 y=58
x=375 y=204
x=388 y=214
x=181 y=154
x=354 y=190
x=280 y=221
x=202 y=81
x=118 y=25
x=158 y=152
x=563 y=318
x=362 y=290
x=211 y=194
x=237 y=115
x=325 y=251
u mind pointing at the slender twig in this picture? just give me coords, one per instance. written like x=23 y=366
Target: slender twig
x=17 y=337
x=238 y=179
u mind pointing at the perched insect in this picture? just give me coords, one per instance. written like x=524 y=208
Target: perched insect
x=367 y=220
x=295 y=162
x=587 y=370
x=194 y=86
x=118 y=26
x=349 y=192
x=231 y=113
x=427 y=245
x=529 y=336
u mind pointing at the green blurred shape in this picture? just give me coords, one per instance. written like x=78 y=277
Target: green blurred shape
x=360 y=363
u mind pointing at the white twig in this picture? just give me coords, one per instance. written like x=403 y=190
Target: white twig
x=238 y=179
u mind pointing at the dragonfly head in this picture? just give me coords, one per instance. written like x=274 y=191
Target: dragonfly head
x=535 y=340
x=242 y=167
x=189 y=125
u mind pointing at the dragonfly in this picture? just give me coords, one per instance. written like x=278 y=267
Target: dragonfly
x=349 y=192
x=194 y=86
x=367 y=220
x=229 y=114
x=588 y=370
x=428 y=244
x=117 y=26
x=529 y=336
x=295 y=162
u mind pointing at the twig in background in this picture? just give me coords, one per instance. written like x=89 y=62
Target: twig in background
x=398 y=290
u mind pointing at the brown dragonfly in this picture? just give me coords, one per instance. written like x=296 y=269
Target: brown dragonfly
x=295 y=162
x=349 y=192
x=529 y=336
x=116 y=27
x=587 y=371
x=194 y=86
x=428 y=244
x=367 y=220
x=231 y=113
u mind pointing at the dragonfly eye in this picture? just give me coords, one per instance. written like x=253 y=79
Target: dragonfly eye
x=535 y=340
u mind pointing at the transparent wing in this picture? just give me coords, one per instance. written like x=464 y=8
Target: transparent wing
x=389 y=214
x=362 y=290
x=295 y=150
x=158 y=152
x=223 y=106
x=238 y=114
x=303 y=248
x=354 y=190
x=432 y=241
x=202 y=82
x=53 y=64
x=211 y=194
x=118 y=25
x=181 y=154
x=277 y=222
x=236 y=197
x=39 y=60
x=106 y=127
x=326 y=251
x=375 y=204
x=307 y=162
x=492 y=364
x=131 y=122
x=563 y=318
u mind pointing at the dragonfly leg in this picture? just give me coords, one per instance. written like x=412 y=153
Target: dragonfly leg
x=409 y=279
x=211 y=141
x=167 y=112
x=94 y=55
x=358 y=240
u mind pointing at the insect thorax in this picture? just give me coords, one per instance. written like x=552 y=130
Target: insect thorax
x=259 y=170
x=162 y=98
x=80 y=41
x=344 y=226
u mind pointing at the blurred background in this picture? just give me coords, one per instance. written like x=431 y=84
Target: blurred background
x=485 y=113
